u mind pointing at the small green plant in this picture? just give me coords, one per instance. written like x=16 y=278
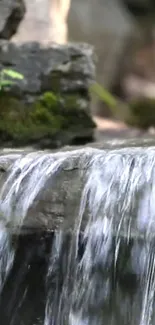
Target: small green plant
x=118 y=108
x=5 y=73
x=104 y=95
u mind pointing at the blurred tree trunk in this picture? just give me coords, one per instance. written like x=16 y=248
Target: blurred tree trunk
x=58 y=16
x=45 y=20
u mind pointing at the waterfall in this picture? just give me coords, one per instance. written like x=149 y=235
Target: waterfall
x=102 y=270
x=27 y=177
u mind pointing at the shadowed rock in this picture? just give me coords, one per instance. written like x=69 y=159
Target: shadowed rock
x=11 y=14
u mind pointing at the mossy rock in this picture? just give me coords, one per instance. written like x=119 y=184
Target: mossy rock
x=49 y=121
x=142 y=113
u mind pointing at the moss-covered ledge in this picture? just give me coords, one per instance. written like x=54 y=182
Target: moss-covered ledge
x=50 y=107
x=50 y=121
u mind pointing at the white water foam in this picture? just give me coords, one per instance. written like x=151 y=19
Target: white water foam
x=119 y=195
x=27 y=176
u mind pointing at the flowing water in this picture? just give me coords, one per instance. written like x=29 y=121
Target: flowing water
x=100 y=271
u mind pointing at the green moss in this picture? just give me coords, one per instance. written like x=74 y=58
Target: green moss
x=142 y=113
x=50 y=101
x=47 y=117
x=71 y=102
x=25 y=123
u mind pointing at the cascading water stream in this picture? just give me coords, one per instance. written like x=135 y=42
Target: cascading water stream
x=106 y=271
x=27 y=177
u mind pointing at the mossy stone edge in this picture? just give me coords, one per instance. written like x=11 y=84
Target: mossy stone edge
x=50 y=120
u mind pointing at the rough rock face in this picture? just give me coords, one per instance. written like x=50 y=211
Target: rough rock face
x=11 y=14
x=50 y=106
x=63 y=190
